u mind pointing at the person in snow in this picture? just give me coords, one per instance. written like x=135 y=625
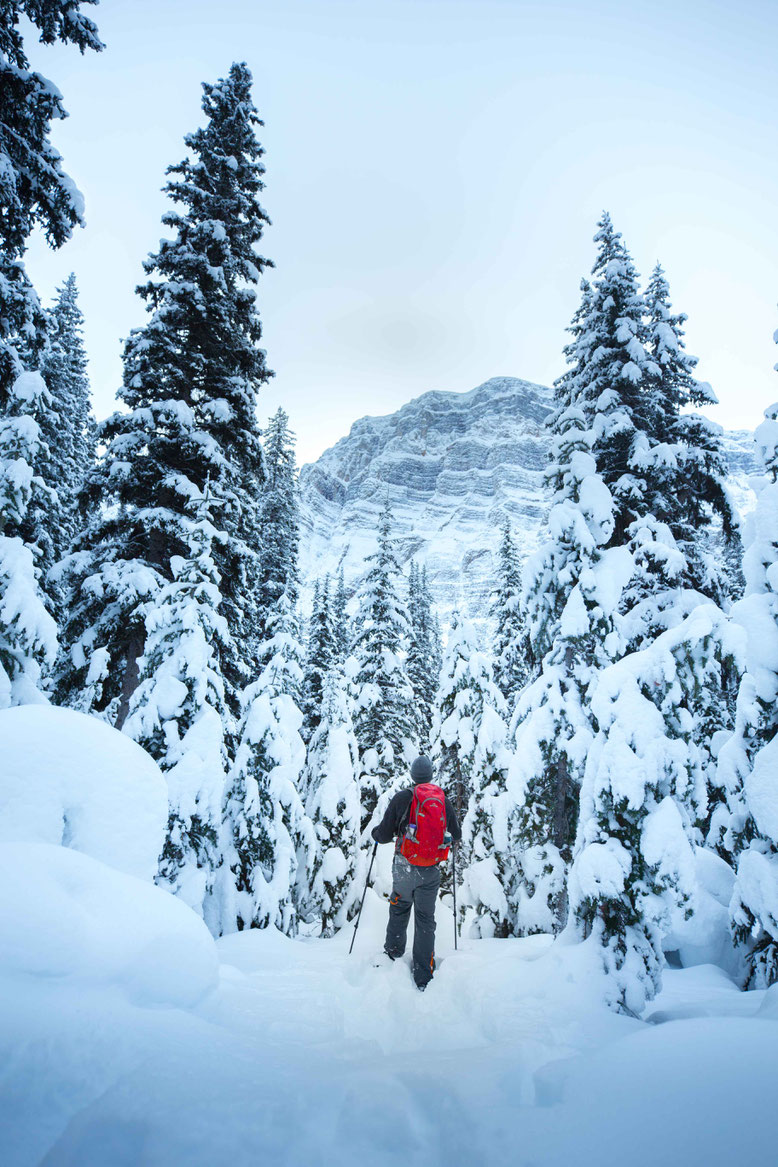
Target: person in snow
x=423 y=821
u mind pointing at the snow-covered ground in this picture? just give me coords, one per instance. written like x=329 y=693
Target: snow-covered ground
x=300 y=1054
x=130 y=1038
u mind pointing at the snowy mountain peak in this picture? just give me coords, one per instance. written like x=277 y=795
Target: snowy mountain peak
x=452 y=465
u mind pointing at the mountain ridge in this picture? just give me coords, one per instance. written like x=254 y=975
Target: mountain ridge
x=453 y=466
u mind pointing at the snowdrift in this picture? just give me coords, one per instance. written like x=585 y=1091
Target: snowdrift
x=65 y=916
x=72 y=780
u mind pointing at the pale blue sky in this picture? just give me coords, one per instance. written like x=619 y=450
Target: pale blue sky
x=435 y=171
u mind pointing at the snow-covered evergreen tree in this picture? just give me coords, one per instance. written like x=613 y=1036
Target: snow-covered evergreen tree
x=279 y=521
x=177 y=712
x=469 y=733
x=191 y=377
x=513 y=664
x=28 y=633
x=682 y=458
x=71 y=441
x=272 y=844
x=341 y=623
x=423 y=661
x=68 y=436
x=687 y=535
x=748 y=762
x=334 y=807
x=466 y=688
x=607 y=376
x=633 y=878
x=320 y=655
x=34 y=192
x=628 y=381
x=573 y=586
x=34 y=189
x=383 y=709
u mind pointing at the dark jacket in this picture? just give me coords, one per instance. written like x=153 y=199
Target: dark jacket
x=395 y=820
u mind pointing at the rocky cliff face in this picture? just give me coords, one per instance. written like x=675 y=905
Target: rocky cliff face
x=452 y=466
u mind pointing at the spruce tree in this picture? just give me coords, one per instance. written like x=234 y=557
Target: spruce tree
x=73 y=440
x=279 y=521
x=572 y=618
x=573 y=587
x=687 y=472
x=633 y=879
x=320 y=656
x=34 y=192
x=748 y=762
x=513 y=665
x=629 y=378
x=191 y=377
x=177 y=714
x=28 y=633
x=423 y=661
x=334 y=808
x=68 y=431
x=466 y=688
x=340 y=620
x=272 y=844
x=607 y=379
x=686 y=538
x=383 y=708
x=469 y=734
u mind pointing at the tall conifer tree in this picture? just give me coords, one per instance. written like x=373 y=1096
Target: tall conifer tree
x=688 y=474
x=383 y=710
x=748 y=762
x=279 y=522
x=334 y=808
x=423 y=661
x=513 y=663
x=191 y=377
x=573 y=585
x=271 y=844
x=68 y=430
x=34 y=192
x=177 y=714
x=320 y=656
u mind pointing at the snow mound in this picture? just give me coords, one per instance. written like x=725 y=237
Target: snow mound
x=72 y=780
x=691 y=1092
x=65 y=915
x=705 y=937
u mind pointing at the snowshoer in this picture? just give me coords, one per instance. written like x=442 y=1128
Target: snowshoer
x=424 y=823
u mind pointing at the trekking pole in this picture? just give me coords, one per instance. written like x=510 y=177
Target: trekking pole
x=364 y=893
x=454 y=865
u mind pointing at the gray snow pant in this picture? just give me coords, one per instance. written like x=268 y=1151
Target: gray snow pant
x=415 y=887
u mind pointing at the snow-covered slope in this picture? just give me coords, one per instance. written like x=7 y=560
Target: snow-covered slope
x=452 y=465
x=304 y=1056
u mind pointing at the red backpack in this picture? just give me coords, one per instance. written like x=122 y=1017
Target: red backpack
x=423 y=843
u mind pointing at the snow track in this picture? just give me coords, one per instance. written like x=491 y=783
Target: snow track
x=304 y=1056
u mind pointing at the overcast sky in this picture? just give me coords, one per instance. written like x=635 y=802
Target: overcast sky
x=435 y=171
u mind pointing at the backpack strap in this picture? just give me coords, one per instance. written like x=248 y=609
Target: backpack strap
x=402 y=825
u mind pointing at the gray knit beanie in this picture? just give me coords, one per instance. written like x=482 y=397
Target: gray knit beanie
x=421 y=770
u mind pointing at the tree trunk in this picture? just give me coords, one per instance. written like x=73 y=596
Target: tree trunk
x=131 y=675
